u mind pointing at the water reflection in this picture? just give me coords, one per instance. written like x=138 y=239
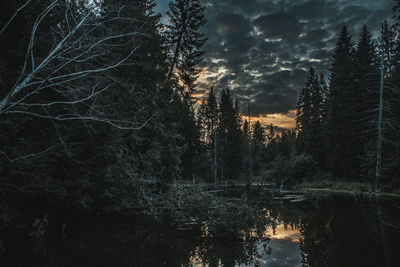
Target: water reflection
x=278 y=247
x=329 y=231
x=284 y=232
x=282 y=249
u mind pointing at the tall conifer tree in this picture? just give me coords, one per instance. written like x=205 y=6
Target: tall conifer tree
x=186 y=17
x=304 y=113
x=366 y=99
x=342 y=159
x=229 y=137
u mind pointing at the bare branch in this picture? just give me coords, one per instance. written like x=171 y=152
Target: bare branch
x=70 y=117
x=25 y=156
x=14 y=15
x=85 y=50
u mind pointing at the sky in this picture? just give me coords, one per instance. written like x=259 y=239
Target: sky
x=262 y=49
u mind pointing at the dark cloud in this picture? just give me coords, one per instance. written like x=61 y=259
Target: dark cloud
x=263 y=48
x=279 y=25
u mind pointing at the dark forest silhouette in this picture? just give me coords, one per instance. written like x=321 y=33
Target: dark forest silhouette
x=98 y=118
x=99 y=127
x=96 y=104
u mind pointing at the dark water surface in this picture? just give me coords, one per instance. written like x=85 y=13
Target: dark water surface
x=324 y=231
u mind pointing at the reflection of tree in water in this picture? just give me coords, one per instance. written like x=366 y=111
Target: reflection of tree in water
x=232 y=234
x=228 y=250
x=336 y=231
x=106 y=243
x=345 y=231
x=138 y=241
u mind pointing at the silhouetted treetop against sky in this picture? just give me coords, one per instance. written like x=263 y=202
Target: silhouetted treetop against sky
x=264 y=48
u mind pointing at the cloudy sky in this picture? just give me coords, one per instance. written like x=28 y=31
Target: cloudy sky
x=262 y=49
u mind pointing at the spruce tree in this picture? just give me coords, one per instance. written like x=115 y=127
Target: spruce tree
x=325 y=98
x=229 y=137
x=343 y=162
x=245 y=150
x=186 y=17
x=207 y=117
x=184 y=43
x=315 y=147
x=272 y=142
x=324 y=114
x=309 y=120
x=258 y=145
x=390 y=48
x=366 y=99
x=211 y=114
x=258 y=135
x=304 y=113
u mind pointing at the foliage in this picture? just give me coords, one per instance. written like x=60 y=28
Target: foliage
x=293 y=170
x=311 y=118
x=185 y=41
x=229 y=136
x=99 y=121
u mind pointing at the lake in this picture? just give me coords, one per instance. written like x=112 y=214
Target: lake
x=334 y=230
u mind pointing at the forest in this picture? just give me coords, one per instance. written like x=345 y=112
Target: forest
x=97 y=115
x=97 y=106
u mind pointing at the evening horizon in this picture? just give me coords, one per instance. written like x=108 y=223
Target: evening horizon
x=262 y=50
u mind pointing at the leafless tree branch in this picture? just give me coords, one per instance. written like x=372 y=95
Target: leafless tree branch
x=76 y=64
x=25 y=156
x=14 y=15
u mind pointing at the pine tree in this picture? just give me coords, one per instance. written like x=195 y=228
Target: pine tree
x=229 y=137
x=304 y=113
x=324 y=114
x=390 y=49
x=245 y=150
x=366 y=97
x=272 y=142
x=207 y=117
x=186 y=17
x=316 y=142
x=258 y=145
x=258 y=135
x=343 y=162
x=201 y=122
x=184 y=55
x=325 y=98
x=191 y=138
x=211 y=114
x=310 y=118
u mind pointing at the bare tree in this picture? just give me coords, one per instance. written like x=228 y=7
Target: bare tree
x=69 y=79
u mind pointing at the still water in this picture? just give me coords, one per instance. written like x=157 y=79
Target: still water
x=312 y=231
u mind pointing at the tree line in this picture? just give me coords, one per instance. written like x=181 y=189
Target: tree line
x=337 y=123
x=96 y=108
x=232 y=148
x=336 y=134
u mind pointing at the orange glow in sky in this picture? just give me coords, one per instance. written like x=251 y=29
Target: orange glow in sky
x=278 y=119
